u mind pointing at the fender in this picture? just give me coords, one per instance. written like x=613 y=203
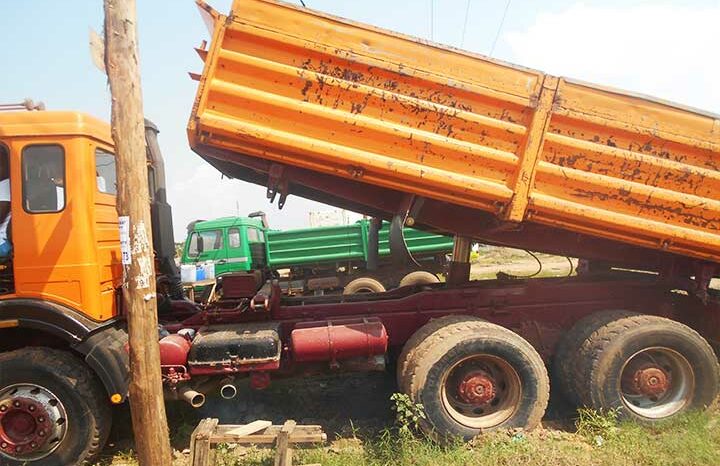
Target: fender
x=102 y=344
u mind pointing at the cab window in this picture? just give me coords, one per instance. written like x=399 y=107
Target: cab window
x=43 y=178
x=105 y=172
x=205 y=241
x=233 y=238
x=253 y=235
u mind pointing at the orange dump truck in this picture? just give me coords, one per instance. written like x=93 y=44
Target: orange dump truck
x=439 y=138
x=355 y=115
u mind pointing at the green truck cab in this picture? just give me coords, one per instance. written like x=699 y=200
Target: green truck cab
x=316 y=259
x=233 y=244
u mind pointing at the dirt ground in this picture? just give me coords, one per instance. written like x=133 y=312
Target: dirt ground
x=345 y=405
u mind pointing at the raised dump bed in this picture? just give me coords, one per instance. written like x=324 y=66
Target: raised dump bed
x=343 y=100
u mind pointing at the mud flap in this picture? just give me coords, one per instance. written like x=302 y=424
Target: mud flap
x=107 y=355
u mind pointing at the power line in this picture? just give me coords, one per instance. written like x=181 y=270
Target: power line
x=467 y=13
x=432 y=20
x=502 y=22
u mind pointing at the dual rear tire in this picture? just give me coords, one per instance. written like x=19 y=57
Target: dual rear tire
x=647 y=368
x=371 y=285
x=473 y=376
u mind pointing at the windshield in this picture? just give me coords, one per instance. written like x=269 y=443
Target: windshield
x=204 y=241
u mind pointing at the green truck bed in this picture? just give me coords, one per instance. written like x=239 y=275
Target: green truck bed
x=343 y=243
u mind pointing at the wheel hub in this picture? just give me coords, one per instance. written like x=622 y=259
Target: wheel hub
x=24 y=425
x=32 y=422
x=477 y=388
x=651 y=381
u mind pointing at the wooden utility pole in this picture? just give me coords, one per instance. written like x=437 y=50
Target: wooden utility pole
x=128 y=131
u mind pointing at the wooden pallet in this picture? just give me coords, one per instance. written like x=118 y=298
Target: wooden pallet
x=209 y=433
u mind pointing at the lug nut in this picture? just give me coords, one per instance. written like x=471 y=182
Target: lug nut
x=31 y=408
x=41 y=419
x=16 y=404
x=3 y=445
x=33 y=445
x=41 y=433
x=3 y=408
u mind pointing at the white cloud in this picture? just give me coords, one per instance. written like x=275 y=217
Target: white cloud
x=663 y=50
x=205 y=195
x=669 y=51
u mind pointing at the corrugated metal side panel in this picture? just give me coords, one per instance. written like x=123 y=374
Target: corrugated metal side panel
x=418 y=242
x=631 y=169
x=294 y=86
x=315 y=245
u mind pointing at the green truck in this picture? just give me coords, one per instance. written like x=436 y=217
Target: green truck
x=321 y=259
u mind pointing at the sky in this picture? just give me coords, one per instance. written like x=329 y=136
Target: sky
x=662 y=48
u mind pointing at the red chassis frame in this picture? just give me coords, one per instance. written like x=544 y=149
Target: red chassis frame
x=540 y=309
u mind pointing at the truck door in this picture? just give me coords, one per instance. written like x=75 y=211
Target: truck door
x=208 y=245
x=238 y=252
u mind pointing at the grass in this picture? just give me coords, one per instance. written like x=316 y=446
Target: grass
x=598 y=440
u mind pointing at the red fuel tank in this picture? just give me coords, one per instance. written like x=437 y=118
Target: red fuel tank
x=334 y=340
x=174 y=350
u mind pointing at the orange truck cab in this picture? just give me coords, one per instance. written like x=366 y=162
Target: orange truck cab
x=60 y=285
x=62 y=172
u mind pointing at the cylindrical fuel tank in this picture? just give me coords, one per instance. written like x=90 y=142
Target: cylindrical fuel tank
x=174 y=350
x=335 y=340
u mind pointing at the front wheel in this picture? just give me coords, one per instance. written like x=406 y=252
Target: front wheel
x=476 y=377
x=52 y=409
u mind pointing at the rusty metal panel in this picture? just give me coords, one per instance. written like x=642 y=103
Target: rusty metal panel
x=630 y=168
x=303 y=88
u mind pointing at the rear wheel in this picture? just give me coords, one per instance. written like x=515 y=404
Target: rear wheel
x=565 y=361
x=364 y=285
x=424 y=332
x=475 y=377
x=419 y=277
x=52 y=409
x=648 y=368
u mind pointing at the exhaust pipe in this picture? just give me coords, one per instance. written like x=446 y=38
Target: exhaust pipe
x=228 y=391
x=195 y=399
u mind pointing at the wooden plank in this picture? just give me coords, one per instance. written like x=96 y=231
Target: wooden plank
x=301 y=434
x=253 y=427
x=200 y=443
x=284 y=454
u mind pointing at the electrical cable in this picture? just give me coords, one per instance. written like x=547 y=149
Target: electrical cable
x=502 y=22
x=432 y=20
x=465 y=22
x=572 y=267
x=522 y=277
x=302 y=3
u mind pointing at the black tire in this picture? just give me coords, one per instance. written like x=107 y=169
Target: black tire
x=79 y=393
x=364 y=285
x=432 y=368
x=621 y=359
x=418 y=337
x=419 y=277
x=565 y=370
